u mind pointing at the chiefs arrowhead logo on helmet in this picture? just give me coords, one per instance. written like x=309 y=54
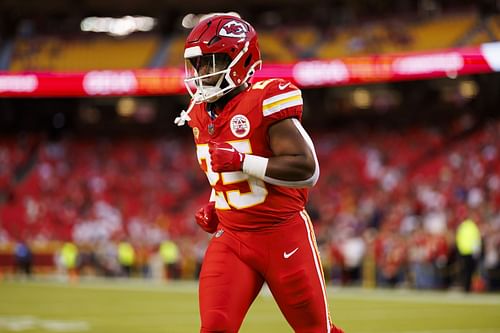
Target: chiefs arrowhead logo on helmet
x=233 y=29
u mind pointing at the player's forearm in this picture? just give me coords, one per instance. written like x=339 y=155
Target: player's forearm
x=297 y=171
x=297 y=167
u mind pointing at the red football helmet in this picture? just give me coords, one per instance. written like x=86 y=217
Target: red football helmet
x=221 y=53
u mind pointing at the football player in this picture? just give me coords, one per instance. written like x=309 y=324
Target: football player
x=260 y=162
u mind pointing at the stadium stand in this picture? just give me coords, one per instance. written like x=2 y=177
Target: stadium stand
x=278 y=44
x=437 y=32
x=54 y=53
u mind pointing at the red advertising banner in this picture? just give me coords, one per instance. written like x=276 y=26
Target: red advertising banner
x=93 y=83
x=312 y=73
x=390 y=67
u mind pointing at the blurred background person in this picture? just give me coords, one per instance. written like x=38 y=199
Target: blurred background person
x=23 y=259
x=69 y=257
x=126 y=257
x=170 y=254
x=468 y=240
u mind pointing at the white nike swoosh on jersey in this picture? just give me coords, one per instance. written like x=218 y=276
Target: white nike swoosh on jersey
x=283 y=86
x=289 y=254
x=227 y=149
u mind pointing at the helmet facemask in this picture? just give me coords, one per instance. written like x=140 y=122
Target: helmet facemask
x=210 y=74
x=206 y=77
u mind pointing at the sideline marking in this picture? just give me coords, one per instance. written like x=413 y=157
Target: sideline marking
x=24 y=323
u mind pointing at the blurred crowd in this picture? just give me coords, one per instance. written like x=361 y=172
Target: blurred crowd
x=400 y=196
x=386 y=209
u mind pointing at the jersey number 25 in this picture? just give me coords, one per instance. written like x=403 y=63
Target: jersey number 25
x=232 y=198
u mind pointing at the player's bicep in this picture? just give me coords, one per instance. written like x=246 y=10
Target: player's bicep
x=294 y=158
x=285 y=139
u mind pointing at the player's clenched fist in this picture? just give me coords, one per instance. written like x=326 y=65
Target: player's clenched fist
x=225 y=157
x=207 y=218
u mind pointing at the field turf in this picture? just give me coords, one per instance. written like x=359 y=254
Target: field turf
x=139 y=306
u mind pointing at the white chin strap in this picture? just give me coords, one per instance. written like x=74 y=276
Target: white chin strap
x=208 y=94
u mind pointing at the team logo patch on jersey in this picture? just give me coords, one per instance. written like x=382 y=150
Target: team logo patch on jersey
x=240 y=126
x=211 y=128
x=196 y=132
x=233 y=29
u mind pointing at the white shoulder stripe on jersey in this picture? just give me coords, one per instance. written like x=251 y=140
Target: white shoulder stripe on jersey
x=279 y=97
x=281 y=106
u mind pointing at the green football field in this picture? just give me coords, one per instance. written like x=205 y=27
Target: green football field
x=138 y=306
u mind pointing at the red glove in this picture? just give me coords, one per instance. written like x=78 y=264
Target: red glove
x=225 y=157
x=207 y=218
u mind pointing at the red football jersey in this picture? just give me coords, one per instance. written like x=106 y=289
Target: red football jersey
x=244 y=202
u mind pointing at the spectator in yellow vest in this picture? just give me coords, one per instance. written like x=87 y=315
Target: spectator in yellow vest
x=169 y=252
x=468 y=240
x=126 y=257
x=69 y=259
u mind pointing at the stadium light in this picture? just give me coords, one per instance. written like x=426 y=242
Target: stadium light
x=118 y=26
x=361 y=98
x=468 y=89
x=126 y=107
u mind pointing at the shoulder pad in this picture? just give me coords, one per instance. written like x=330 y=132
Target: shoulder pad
x=278 y=94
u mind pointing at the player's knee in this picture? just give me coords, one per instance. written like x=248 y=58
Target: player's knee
x=215 y=321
